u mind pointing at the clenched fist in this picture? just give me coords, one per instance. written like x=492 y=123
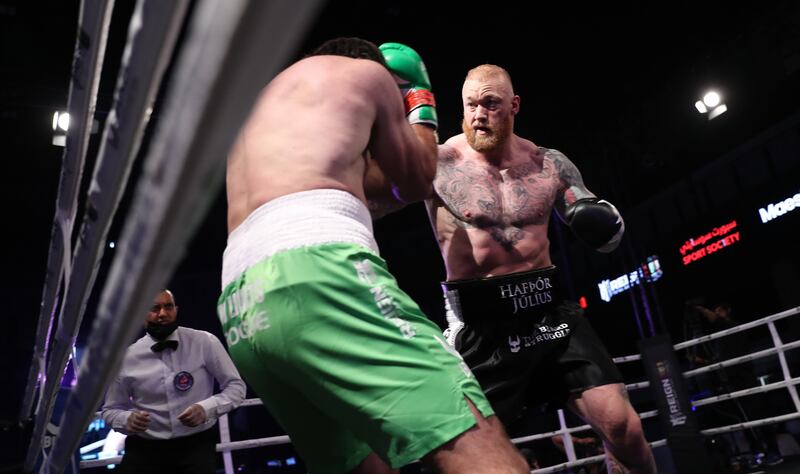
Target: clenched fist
x=138 y=421
x=195 y=415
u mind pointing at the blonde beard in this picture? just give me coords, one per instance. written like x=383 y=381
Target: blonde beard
x=488 y=142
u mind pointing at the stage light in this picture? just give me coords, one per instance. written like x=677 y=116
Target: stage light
x=701 y=107
x=60 y=127
x=711 y=104
x=711 y=99
x=60 y=121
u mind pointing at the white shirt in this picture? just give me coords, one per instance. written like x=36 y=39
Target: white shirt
x=166 y=383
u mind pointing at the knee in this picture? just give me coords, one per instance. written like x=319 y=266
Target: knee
x=625 y=429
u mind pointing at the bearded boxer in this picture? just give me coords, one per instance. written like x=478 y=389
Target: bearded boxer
x=494 y=192
x=346 y=362
x=490 y=206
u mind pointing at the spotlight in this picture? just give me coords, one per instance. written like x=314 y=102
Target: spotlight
x=60 y=127
x=711 y=99
x=711 y=104
x=63 y=121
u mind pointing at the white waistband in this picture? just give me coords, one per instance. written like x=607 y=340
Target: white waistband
x=297 y=220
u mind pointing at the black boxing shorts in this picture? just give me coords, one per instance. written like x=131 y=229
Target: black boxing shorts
x=525 y=344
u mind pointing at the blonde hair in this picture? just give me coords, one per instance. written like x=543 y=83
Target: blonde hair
x=486 y=71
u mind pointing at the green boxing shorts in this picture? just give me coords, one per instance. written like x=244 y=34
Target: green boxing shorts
x=344 y=360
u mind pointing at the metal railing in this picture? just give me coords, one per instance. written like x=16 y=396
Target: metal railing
x=226 y=447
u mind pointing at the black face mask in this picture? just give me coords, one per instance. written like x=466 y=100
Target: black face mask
x=160 y=332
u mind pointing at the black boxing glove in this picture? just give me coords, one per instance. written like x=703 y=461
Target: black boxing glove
x=595 y=222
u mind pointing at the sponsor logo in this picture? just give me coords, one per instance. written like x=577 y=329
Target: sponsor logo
x=365 y=272
x=677 y=417
x=648 y=271
x=540 y=334
x=661 y=367
x=245 y=328
x=778 y=209
x=383 y=300
x=703 y=245
x=243 y=301
x=244 y=298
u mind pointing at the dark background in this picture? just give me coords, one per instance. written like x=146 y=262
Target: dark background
x=612 y=87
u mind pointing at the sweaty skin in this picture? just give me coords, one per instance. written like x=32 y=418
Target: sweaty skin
x=491 y=208
x=314 y=126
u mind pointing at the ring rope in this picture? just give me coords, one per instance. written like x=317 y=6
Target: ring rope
x=95 y=18
x=220 y=69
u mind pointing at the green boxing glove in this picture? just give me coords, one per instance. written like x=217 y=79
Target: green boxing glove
x=412 y=77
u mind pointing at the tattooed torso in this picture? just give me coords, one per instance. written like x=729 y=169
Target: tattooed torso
x=492 y=220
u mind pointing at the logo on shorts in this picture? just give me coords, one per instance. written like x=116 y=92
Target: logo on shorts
x=365 y=272
x=243 y=312
x=540 y=334
x=244 y=328
x=528 y=294
x=183 y=381
x=383 y=300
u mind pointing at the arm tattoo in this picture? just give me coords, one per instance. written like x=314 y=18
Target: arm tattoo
x=572 y=182
x=566 y=169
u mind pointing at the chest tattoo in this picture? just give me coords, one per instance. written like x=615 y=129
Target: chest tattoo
x=501 y=203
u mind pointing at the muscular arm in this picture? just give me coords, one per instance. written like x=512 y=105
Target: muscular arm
x=381 y=198
x=405 y=154
x=572 y=187
x=595 y=222
x=381 y=201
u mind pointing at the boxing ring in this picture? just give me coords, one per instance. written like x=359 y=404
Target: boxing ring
x=216 y=74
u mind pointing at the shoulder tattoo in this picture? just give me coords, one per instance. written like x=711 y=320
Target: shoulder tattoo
x=566 y=169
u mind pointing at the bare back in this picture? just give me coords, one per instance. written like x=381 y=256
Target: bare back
x=492 y=219
x=311 y=129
